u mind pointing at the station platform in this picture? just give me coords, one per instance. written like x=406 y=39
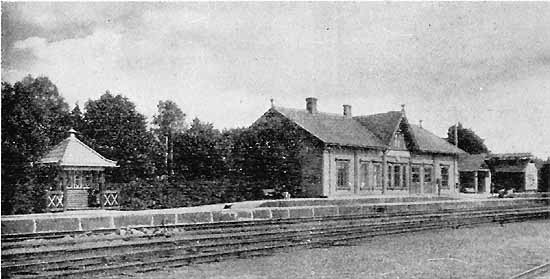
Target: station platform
x=90 y=220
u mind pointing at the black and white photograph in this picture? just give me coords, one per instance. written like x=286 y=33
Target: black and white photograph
x=275 y=140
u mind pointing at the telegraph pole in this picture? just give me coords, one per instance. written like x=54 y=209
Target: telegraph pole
x=456 y=134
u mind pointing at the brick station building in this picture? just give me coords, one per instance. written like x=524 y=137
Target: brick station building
x=345 y=155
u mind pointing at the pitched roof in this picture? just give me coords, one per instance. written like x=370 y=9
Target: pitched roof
x=511 y=168
x=332 y=128
x=374 y=131
x=426 y=141
x=382 y=125
x=511 y=156
x=72 y=152
x=472 y=162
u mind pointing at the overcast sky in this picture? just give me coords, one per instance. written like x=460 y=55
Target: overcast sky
x=484 y=64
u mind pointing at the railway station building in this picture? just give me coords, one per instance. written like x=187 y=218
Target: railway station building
x=381 y=154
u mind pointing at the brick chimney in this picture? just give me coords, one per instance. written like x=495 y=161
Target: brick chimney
x=347 y=111
x=311 y=105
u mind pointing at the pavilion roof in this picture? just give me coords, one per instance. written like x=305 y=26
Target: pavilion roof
x=72 y=152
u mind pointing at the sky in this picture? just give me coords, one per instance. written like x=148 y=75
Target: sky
x=485 y=64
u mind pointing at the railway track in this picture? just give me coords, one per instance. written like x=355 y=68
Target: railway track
x=18 y=240
x=536 y=272
x=210 y=242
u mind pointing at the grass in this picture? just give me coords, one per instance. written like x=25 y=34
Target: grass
x=489 y=251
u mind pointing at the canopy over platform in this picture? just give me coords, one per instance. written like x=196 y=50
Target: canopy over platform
x=71 y=152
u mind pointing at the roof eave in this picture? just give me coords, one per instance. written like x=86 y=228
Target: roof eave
x=382 y=148
x=439 y=152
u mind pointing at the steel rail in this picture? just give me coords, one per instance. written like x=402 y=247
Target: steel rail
x=319 y=236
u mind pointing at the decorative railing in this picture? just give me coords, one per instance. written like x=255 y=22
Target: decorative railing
x=109 y=199
x=54 y=200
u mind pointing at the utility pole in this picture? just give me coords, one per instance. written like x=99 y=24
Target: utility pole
x=171 y=153
x=166 y=155
x=456 y=134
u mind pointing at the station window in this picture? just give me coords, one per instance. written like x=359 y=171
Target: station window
x=78 y=183
x=427 y=174
x=377 y=175
x=364 y=176
x=396 y=176
x=445 y=177
x=342 y=175
x=390 y=176
x=405 y=179
x=399 y=141
x=415 y=174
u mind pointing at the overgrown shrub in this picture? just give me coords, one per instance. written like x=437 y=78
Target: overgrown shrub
x=173 y=193
x=25 y=198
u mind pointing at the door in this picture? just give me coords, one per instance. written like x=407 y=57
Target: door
x=429 y=183
x=415 y=180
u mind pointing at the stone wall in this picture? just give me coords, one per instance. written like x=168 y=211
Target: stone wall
x=38 y=223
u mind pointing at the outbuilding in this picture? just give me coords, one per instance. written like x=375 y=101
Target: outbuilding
x=79 y=174
x=513 y=171
x=475 y=176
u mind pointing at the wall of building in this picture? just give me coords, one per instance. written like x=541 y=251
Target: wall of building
x=355 y=158
x=544 y=183
x=311 y=160
x=531 y=177
x=436 y=161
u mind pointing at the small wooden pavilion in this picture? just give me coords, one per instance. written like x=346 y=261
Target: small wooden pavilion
x=80 y=173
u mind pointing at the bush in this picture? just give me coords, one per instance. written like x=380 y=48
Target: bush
x=25 y=198
x=177 y=192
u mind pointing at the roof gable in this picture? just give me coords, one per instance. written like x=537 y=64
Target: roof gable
x=72 y=152
x=332 y=128
x=373 y=131
x=383 y=125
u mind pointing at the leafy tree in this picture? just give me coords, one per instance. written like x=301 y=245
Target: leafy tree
x=169 y=122
x=34 y=118
x=197 y=152
x=269 y=153
x=467 y=140
x=114 y=128
x=76 y=119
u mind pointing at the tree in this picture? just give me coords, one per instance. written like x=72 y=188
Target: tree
x=114 y=128
x=467 y=140
x=34 y=118
x=169 y=122
x=268 y=154
x=76 y=119
x=197 y=153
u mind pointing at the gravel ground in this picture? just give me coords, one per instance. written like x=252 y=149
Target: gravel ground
x=489 y=251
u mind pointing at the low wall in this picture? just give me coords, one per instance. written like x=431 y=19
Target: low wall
x=348 y=201
x=38 y=223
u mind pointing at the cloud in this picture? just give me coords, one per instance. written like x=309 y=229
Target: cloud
x=223 y=62
x=30 y=43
